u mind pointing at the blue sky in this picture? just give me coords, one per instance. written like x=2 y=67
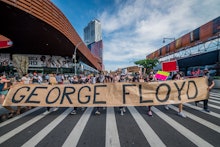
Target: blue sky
x=134 y=28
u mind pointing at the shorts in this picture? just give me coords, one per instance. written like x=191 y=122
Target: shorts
x=4 y=92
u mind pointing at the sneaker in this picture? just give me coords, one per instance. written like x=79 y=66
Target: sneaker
x=124 y=110
x=46 y=112
x=11 y=114
x=55 y=109
x=97 y=112
x=73 y=112
x=166 y=107
x=149 y=113
x=122 y=113
x=182 y=114
x=206 y=110
x=196 y=103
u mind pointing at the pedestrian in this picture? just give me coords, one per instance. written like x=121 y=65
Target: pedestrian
x=179 y=76
x=74 y=80
x=4 y=88
x=52 y=81
x=59 y=78
x=211 y=84
x=122 y=79
x=151 y=78
x=94 y=80
x=35 y=78
x=25 y=80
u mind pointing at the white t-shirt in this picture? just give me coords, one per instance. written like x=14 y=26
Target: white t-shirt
x=26 y=80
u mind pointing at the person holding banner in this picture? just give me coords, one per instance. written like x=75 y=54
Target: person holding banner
x=151 y=78
x=52 y=81
x=25 y=80
x=94 y=79
x=179 y=76
x=122 y=79
x=211 y=84
x=4 y=88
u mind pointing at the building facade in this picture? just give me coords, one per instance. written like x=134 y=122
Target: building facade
x=195 y=50
x=93 y=39
x=42 y=34
x=93 y=32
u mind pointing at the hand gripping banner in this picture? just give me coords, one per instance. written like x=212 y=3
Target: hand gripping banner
x=109 y=94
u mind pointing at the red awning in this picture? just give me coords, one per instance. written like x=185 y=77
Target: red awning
x=5 y=42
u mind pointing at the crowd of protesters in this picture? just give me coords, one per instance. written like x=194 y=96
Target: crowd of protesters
x=6 y=81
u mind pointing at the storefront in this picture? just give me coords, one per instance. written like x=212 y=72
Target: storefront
x=45 y=64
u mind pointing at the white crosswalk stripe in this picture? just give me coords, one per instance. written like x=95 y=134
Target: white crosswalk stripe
x=20 y=128
x=148 y=132
x=184 y=131
x=198 y=119
x=112 y=138
x=214 y=98
x=74 y=136
x=215 y=94
x=211 y=105
x=19 y=116
x=39 y=136
x=217 y=102
x=200 y=109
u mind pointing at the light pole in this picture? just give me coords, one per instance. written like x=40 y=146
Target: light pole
x=168 y=39
x=75 y=56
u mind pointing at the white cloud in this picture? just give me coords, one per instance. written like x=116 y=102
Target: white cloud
x=136 y=27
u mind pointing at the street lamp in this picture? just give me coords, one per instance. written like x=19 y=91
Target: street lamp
x=168 y=39
x=168 y=50
x=75 y=56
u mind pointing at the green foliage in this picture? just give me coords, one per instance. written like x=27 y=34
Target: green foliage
x=149 y=64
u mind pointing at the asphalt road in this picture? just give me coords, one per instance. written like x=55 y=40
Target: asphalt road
x=135 y=128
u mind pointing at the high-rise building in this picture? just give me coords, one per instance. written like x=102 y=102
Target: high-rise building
x=93 y=32
x=93 y=38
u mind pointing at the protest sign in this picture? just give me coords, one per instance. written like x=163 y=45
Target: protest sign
x=133 y=69
x=109 y=94
x=170 y=66
x=162 y=75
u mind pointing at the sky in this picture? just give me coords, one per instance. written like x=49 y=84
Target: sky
x=132 y=29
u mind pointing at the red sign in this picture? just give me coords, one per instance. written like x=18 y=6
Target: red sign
x=170 y=66
x=5 y=42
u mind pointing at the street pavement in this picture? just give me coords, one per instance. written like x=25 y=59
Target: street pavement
x=135 y=128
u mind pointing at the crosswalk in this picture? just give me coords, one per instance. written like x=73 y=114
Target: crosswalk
x=110 y=129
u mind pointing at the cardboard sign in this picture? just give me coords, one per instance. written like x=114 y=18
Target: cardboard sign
x=133 y=69
x=170 y=66
x=109 y=94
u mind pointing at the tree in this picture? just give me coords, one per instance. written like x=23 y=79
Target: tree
x=149 y=64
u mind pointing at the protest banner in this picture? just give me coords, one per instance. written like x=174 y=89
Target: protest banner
x=109 y=94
